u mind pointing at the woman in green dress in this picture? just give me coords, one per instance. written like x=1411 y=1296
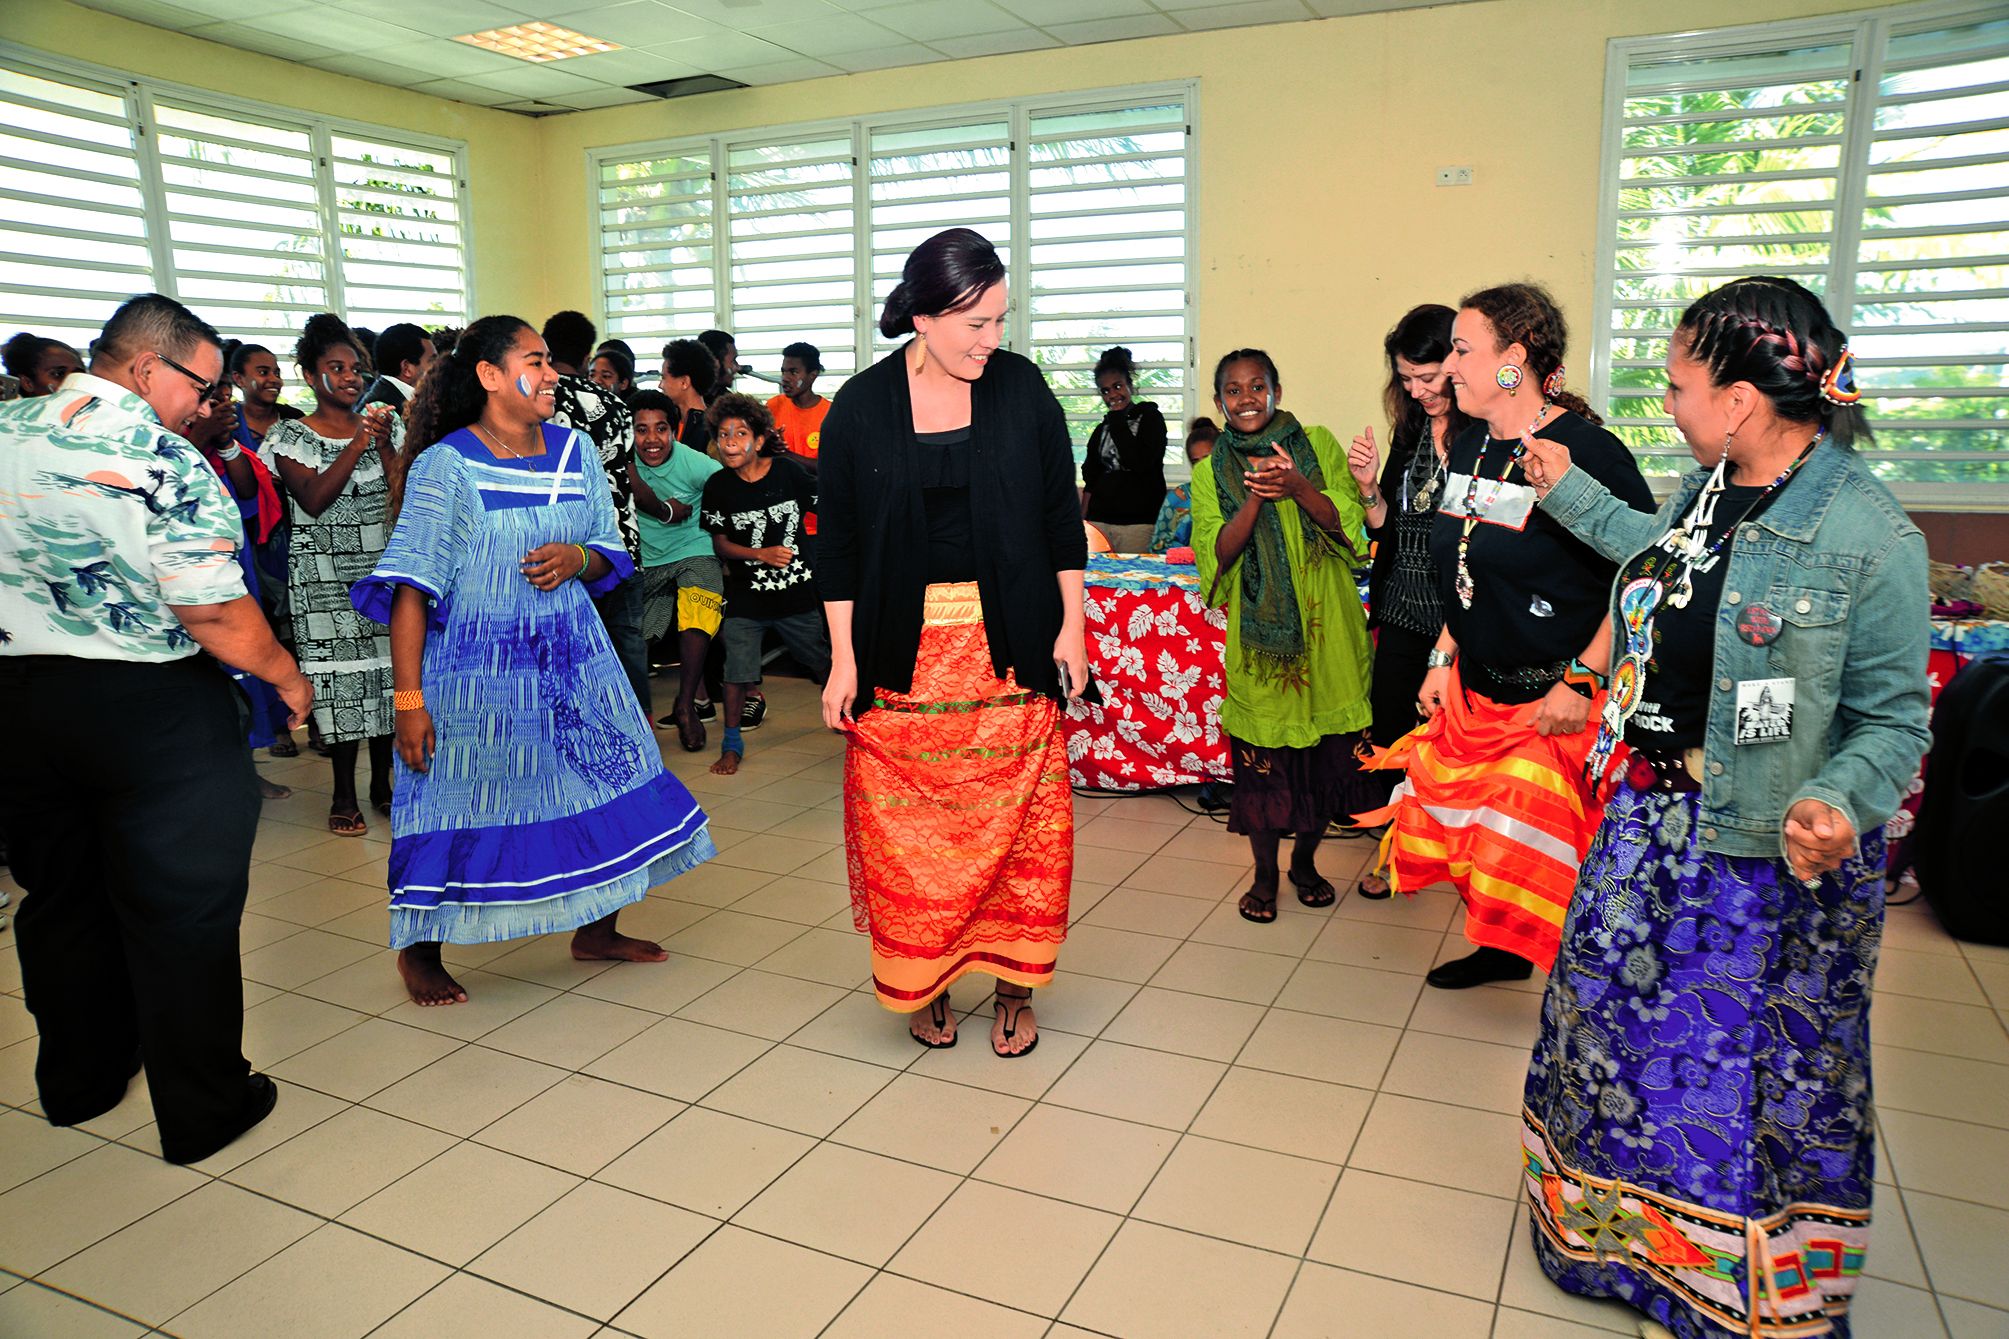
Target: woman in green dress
x=1277 y=528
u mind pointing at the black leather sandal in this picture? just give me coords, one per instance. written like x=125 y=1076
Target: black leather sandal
x=938 y=1014
x=1009 y=1017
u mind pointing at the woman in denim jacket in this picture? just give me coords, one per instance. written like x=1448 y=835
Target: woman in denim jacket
x=1697 y=1116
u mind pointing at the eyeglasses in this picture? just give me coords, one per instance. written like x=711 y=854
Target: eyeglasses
x=204 y=388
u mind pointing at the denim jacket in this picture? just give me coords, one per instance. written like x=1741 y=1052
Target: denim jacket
x=1837 y=560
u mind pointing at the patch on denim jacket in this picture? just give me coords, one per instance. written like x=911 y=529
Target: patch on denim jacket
x=1764 y=710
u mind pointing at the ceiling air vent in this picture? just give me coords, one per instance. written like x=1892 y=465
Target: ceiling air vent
x=688 y=86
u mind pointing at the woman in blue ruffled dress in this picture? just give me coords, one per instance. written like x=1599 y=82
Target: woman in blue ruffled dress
x=531 y=796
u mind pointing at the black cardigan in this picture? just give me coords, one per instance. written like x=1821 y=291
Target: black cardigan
x=871 y=525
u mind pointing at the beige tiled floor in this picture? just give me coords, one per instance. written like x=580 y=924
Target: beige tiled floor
x=1228 y=1129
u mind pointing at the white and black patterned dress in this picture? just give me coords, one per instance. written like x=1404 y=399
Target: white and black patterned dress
x=346 y=655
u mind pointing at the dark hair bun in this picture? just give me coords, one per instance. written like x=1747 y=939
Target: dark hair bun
x=897 y=317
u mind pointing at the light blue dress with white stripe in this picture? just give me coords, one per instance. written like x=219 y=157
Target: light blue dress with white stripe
x=546 y=806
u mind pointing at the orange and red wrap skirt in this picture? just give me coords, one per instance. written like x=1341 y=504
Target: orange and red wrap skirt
x=1498 y=811
x=958 y=818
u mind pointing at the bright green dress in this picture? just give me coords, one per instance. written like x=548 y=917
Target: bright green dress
x=1329 y=697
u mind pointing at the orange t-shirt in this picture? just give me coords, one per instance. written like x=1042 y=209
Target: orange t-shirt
x=801 y=432
x=801 y=429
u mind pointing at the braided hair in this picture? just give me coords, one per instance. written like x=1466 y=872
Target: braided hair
x=1526 y=315
x=1776 y=335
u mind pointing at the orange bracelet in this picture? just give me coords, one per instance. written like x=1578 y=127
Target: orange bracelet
x=408 y=699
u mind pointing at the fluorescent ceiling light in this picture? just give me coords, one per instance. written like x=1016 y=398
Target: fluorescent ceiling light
x=537 y=41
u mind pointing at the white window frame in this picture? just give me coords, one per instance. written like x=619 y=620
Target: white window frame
x=1018 y=112
x=140 y=92
x=1869 y=32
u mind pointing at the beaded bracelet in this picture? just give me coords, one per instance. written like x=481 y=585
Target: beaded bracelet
x=585 y=560
x=408 y=699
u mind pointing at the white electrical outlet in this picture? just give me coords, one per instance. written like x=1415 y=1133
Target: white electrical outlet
x=1454 y=176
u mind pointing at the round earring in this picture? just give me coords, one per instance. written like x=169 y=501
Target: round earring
x=1509 y=377
x=1552 y=384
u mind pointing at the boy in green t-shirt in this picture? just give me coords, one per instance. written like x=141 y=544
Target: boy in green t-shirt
x=682 y=580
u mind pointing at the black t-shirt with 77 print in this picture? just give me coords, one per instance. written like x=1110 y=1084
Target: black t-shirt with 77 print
x=767 y=511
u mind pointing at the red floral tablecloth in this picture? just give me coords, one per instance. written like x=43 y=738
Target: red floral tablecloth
x=1156 y=651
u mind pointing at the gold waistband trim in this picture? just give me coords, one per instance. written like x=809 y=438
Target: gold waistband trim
x=950 y=603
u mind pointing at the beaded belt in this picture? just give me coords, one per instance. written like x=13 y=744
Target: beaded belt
x=1676 y=770
x=1524 y=676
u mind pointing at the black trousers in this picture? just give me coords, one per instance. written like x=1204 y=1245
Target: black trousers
x=1399 y=657
x=129 y=805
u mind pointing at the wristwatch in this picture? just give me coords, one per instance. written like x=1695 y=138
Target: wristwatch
x=1439 y=659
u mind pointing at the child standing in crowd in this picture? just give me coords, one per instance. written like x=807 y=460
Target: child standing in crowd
x=1174 y=528
x=754 y=510
x=798 y=411
x=682 y=583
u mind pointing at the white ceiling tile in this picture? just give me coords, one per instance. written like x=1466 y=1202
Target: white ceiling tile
x=1245 y=15
x=1112 y=30
x=533 y=81
x=1335 y=8
x=926 y=20
x=995 y=44
x=373 y=68
x=441 y=18
x=238 y=10
x=459 y=91
x=834 y=33
x=1047 y=13
x=380 y=36
x=636 y=23
x=155 y=12
x=746 y=15
x=715 y=53
x=266 y=44
x=605 y=97
x=1174 y=6
x=779 y=72
x=901 y=53
x=441 y=58
x=333 y=32
x=621 y=68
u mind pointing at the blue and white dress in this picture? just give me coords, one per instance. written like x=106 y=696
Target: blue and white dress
x=546 y=806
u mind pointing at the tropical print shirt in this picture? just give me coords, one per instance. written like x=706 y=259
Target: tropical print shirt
x=106 y=519
x=600 y=415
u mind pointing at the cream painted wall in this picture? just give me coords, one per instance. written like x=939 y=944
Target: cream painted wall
x=1319 y=220
x=506 y=229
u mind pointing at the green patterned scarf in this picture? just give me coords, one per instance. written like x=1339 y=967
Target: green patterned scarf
x=1271 y=629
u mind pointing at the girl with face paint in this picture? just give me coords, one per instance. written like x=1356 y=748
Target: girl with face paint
x=531 y=792
x=338 y=467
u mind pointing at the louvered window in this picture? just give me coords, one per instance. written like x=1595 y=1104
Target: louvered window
x=800 y=233
x=73 y=224
x=1866 y=158
x=254 y=216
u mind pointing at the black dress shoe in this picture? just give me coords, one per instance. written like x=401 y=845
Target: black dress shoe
x=260 y=1096
x=1479 y=967
x=90 y=1108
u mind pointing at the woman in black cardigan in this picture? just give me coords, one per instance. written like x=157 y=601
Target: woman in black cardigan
x=950 y=556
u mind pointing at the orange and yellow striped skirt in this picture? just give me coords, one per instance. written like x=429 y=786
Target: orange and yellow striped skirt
x=1498 y=811
x=958 y=818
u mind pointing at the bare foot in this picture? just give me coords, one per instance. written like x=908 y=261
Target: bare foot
x=727 y=764
x=935 y=1025
x=272 y=790
x=600 y=940
x=1015 y=1030
x=427 y=978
